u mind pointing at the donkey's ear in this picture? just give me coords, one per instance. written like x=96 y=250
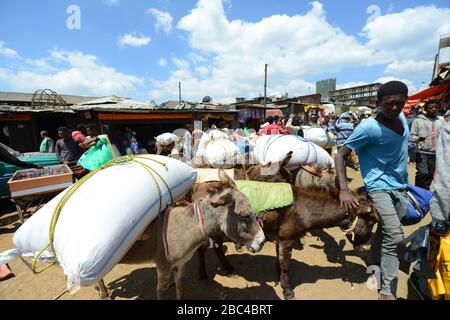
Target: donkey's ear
x=225 y=179
x=283 y=163
x=225 y=200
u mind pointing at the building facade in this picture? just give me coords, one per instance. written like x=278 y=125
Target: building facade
x=359 y=96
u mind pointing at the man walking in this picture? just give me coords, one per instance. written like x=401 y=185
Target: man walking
x=66 y=149
x=424 y=131
x=382 y=146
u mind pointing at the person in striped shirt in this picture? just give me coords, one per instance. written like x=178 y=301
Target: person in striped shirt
x=343 y=129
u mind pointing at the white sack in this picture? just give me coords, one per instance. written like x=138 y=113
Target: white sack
x=320 y=137
x=273 y=148
x=221 y=153
x=166 y=138
x=104 y=217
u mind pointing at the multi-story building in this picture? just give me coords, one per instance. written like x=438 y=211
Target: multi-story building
x=324 y=87
x=360 y=96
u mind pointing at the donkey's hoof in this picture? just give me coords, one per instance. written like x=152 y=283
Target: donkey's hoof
x=288 y=294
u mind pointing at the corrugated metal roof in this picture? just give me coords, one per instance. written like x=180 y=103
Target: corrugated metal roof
x=28 y=109
x=26 y=97
x=114 y=103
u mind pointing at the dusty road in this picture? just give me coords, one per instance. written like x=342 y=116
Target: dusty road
x=323 y=266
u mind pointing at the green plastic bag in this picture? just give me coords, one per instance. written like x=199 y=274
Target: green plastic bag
x=97 y=156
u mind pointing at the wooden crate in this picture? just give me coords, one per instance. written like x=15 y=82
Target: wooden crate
x=40 y=185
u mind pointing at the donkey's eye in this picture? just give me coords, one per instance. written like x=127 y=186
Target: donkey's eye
x=246 y=218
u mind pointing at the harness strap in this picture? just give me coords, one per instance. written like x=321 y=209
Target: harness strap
x=350 y=230
x=198 y=216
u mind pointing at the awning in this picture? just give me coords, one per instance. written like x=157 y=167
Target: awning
x=15 y=117
x=435 y=91
x=274 y=112
x=224 y=116
x=147 y=116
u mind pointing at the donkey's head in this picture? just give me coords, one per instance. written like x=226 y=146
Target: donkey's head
x=359 y=231
x=232 y=211
x=270 y=172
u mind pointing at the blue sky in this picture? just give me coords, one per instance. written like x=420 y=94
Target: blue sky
x=215 y=47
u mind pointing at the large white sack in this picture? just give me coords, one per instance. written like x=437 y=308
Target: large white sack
x=213 y=134
x=166 y=138
x=217 y=134
x=104 y=217
x=273 y=148
x=320 y=137
x=221 y=153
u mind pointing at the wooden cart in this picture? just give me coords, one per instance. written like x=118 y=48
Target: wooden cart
x=33 y=190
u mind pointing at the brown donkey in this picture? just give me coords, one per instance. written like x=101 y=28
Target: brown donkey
x=316 y=206
x=171 y=241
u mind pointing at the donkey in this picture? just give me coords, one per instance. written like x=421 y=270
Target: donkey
x=171 y=241
x=316 y=206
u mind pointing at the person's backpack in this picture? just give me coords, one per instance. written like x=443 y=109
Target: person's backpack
x=418 y=205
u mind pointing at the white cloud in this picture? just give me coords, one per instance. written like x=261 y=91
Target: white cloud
x=202 y=70
x=298 y=47
x=133 y=39
x=7 y=52
x=409 y=67
x=163 y=19
x=411 y=86
x=162 y=62
x=238 y=51
x=77 y=73
x=411 y=34
x=112 y=3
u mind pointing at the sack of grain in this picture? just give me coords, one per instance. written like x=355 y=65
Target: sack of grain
x=273 y=148
x=103 y=217
x=221 y=153
x=320 y=137
x=166 y=138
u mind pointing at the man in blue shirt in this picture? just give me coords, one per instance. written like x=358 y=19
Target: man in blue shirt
x=382 y=146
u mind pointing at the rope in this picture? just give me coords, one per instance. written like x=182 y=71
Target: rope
x=268 y=144
x=76 y=186
x=351 y=229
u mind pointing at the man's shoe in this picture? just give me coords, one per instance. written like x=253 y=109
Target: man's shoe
x=420 y=286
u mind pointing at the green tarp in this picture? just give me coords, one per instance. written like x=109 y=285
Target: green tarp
x=266 y=196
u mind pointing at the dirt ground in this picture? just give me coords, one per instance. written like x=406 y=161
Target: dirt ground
x=323 y=266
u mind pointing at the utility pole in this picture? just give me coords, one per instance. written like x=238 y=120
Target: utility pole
x=179 y=92
x=265 y=85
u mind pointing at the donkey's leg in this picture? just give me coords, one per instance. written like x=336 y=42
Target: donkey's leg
x=163 y=282
x=221 y=256
x=178 y=276
x=202 y=262
x=277 y=249
x=102 y=290
x=285 y=257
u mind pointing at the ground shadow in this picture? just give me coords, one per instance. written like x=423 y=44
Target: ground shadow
x=333 y=250
x=139 y=284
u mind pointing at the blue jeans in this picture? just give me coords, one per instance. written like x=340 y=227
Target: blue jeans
x=391 y=206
